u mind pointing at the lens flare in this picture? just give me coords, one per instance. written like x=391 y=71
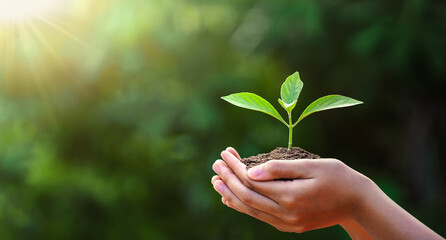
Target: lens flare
x=18 y=10
x=33 y=39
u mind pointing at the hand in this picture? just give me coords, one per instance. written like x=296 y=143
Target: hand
x=320 y=194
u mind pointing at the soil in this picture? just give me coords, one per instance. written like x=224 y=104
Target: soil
x=278 y=154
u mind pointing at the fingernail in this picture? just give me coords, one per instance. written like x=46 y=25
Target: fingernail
x=216 y=168
x=213 y=179
x=255 y=172
x=218 y=188
x=224 y=152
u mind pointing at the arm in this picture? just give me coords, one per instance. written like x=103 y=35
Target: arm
x=323 y=193
x=384 y=219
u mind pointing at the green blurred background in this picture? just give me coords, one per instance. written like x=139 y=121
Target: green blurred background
x=111 y=117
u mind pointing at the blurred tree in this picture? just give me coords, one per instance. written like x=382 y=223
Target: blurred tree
x=110 y=116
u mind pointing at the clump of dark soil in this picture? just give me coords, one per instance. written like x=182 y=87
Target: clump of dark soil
x=278 y=154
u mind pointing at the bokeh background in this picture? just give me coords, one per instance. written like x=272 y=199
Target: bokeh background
x=111 y=117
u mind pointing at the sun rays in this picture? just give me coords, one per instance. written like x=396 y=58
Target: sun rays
x=22 y=35
x=19 y=15
x=17 y=10
x=32 y=46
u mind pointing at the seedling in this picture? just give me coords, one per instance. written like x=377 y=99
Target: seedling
x=289 y=93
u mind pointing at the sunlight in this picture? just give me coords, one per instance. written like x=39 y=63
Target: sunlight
x=18 y=10
x=33 y=39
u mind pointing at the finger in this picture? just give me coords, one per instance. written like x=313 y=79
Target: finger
x=235 y=153
x=215 y=178
x=227 y=203
x=271 y=189
x=283 y=169
x=242 y=192
x=240 y=206
x=235 y=165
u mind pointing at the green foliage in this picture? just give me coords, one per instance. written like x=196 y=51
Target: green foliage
x=326 y=103
x=289 y=94
x=253 y=102
x=286 y=106
x=110 y=117
x=290 y=90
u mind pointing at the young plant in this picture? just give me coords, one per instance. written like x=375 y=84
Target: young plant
x=289 y=93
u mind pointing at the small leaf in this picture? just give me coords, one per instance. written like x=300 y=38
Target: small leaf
x=328 y=102
x=286 y=106
x=291 y=88
x=253 y=102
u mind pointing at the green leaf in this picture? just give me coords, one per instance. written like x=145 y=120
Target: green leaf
x=253 y=102
x=328 y=102
x=286 y=106
x=291 y=88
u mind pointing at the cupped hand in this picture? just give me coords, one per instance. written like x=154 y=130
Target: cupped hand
x=317 y=193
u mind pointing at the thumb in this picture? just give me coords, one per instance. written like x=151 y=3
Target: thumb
x=282 y=169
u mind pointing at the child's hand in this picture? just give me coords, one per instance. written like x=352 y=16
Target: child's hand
x=320 y=192
x=317 y=193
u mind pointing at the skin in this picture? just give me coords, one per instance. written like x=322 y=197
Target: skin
x=318 y=193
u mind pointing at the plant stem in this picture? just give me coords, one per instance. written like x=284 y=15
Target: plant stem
x=290 y=128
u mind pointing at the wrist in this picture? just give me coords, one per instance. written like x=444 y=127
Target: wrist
x=364 y=192
x=355 y=231
x=379 y=216
x=370 y=201
x=352 y=223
